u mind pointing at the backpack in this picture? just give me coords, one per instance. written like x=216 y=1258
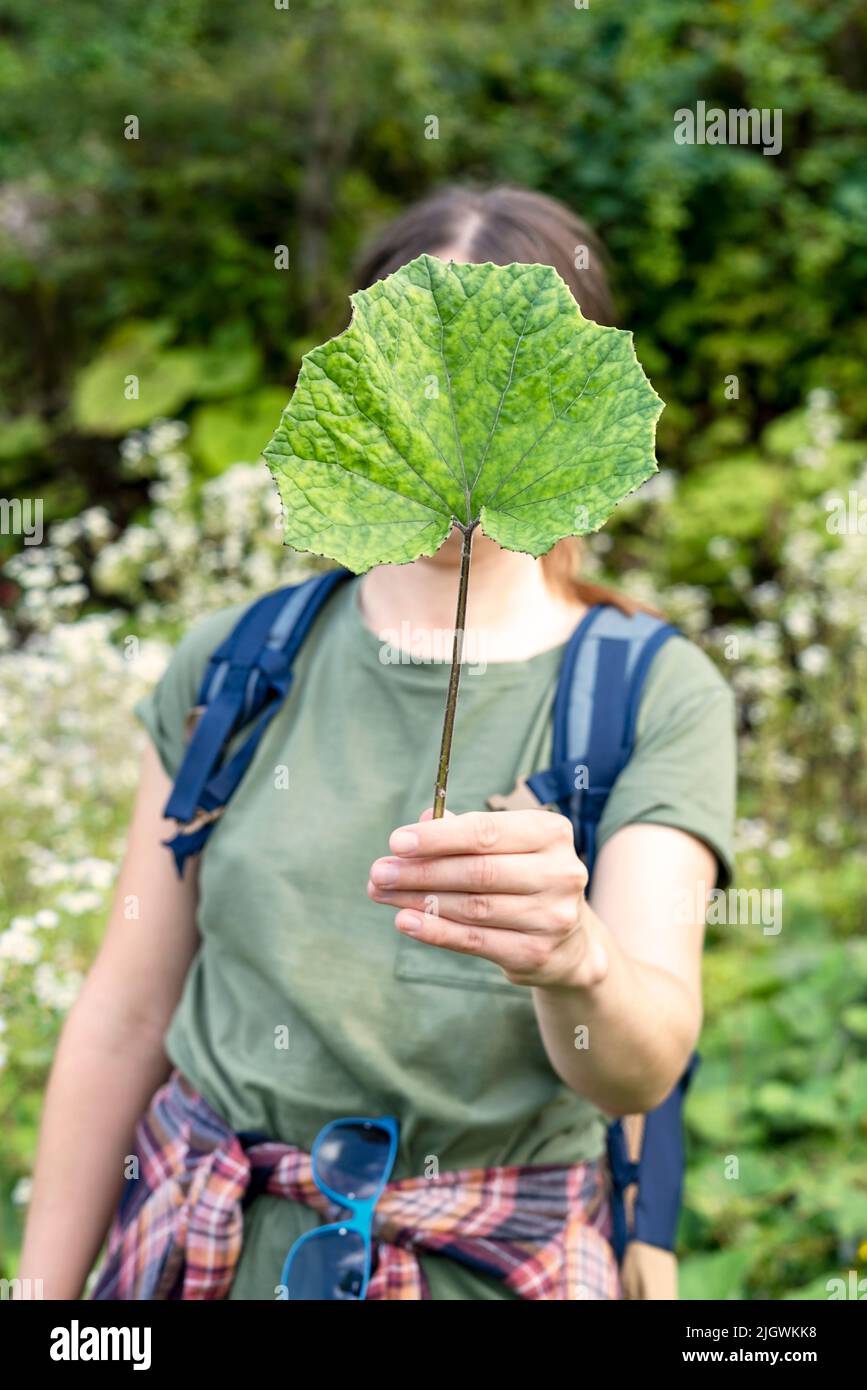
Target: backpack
x=595 y=714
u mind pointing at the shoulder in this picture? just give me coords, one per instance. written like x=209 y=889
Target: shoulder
x=195 y=648
x=164 y=710
x=683 y=768
x=188 y=660
x=682 y=674
x=686 y=712
x=178 y=686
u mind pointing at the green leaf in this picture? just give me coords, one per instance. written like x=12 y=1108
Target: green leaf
x=476 y=393
x=136 y=377
x=789 y=1110
x=852 y=1091
x=229 y=364
x=21 y=436
x=715 y=1114
x=855 y=1020
x=232 y=431
x=132 y=380
x=720 y=1275
x=820 y=1288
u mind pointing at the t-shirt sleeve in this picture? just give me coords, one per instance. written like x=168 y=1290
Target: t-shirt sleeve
x=682 y=771
x=164 y=710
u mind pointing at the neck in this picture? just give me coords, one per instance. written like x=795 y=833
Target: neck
x=512 y=613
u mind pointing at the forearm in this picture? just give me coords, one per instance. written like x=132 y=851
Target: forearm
x=622 y=1036
x=104 y=1075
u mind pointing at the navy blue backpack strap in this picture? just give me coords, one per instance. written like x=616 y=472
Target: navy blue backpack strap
x=596 y=707
x=661 y=1167
x=245 y=682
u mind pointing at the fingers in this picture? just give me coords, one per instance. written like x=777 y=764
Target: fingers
x=505 y=885
x=513 y=952
x=517 y=911
x=478 y=873
x=482 y=832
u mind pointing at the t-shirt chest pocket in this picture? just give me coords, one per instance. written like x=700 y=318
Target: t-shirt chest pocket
x=418 y=962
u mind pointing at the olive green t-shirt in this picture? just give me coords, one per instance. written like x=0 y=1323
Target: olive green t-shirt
x=303 y=1002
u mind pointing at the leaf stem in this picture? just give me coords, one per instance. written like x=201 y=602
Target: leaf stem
x=439 y=801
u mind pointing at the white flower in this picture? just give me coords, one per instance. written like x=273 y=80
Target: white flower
x=751 y=834
x=801 y=549
x=766 y=597
x=766 y=640
x=799 y=621
x=660 y=487
x=769 y=680
x=53 y=991
x=151 y=660
x=68 y=595
x=786 y=768
x=33 y=575
x=76 y=904
x=96 y=524
x=22 y=1192
x=828 y=831
x=46 y=917
x=688 y=604
x=843 y=739
x=814 y=660
x=95 y=873
x=65 y=533
x=16 y=946
x=810 y=457
x=132 y=448
x=165 y=435
x=841 y=611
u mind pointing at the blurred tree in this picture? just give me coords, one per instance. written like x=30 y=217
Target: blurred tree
x=303 y=128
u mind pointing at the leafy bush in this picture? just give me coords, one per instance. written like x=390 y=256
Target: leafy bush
x=270 y=143
x=270 y=138
x=782 y=1088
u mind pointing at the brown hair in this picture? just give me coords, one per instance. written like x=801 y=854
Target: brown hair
x=503 y=225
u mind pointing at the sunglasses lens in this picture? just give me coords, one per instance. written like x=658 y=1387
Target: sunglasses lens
x=352 y=1159
x=328 y=1265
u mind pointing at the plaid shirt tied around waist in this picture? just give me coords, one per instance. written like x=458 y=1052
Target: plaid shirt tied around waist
x=178 y=1231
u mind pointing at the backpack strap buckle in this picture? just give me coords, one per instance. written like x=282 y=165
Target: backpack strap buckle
x=200 y=819
x=192 y=720
x=521 y=798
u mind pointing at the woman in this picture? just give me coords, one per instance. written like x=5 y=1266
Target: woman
x=275 y=982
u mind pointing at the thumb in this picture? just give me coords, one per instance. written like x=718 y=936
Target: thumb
x=427 y=814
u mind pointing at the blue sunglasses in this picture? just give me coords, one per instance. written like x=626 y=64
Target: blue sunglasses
x=352 y=1161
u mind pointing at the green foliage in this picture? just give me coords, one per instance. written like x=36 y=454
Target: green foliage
x=22 y=436
x=775 y=1187
x=725 y=261
x=262 y=129
x=224 y=432
x=782 y=1087
x=136 y=377
x=468 y=392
